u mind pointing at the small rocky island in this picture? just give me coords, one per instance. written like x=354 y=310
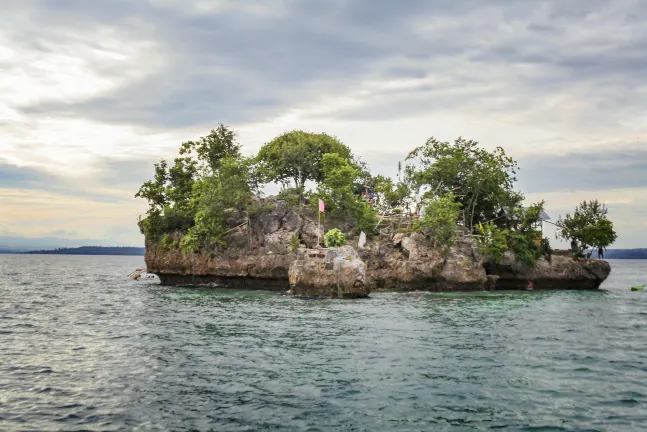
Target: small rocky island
x=451 y=222
x=389 y=262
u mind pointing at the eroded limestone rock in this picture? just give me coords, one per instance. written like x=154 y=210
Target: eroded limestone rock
x=561 y=272
x=311 y=233
x=261 y=258
x=409 y=262
x=329 y=273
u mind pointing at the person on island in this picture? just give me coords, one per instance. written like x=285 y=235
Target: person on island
x=530 y=286
x=573 y=246
x=600 y=253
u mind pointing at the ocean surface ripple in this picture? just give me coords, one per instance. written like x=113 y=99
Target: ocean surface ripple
x=83 y=348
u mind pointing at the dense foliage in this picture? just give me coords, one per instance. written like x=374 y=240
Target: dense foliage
x=194 y=197
x=337 y=191
x=210 y=187
x=334 y=238
x=298 y=156
x=482 y=180
x=492 y=241
x=216 y=198
x=588 y=226
x=523 y=238
x=440 y=218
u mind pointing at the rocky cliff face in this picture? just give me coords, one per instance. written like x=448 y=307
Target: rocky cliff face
x=561 y=272
x=249 y=270
x=257 y=258
x=408 y=262
x=328 y=273
x=261 y=258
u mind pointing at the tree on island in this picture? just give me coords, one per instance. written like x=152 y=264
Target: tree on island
x=298 y=156
x=440 y=218
x=211 y=187
x=208 y=152
x=482 y=180
x=195 y=196
x=588 y=226
x=337 y=190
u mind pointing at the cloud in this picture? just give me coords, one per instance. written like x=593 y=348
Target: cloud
x=33 y=213
x=593 y=170
x=250 y=63
x=99 y=204
x=125 y=174
x=110 y=180
x=12 y=176
x=95 y=92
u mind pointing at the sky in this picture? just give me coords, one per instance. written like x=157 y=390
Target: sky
x=95 y=92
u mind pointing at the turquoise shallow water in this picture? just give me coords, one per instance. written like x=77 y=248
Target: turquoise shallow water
x=82 y=348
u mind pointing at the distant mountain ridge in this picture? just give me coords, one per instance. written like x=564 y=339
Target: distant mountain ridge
x=625 y=254
x=13 y=244
x=93 y=250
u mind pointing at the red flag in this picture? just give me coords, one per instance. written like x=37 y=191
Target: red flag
x=322 y=207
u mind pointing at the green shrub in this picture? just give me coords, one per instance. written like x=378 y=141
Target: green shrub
x=190 y=241
x=440 y=217
x=207 y=232
x=524 y=247
x=492 y=241
x=366 y=218
x=336 y=191
x=334 y=238
x=294 y=242
x=523 y=239
x=167 y=242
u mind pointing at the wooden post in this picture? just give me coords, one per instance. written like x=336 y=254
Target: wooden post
x=319 y=227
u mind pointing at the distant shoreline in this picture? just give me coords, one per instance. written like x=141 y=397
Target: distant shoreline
x=91 y=250
x=624 y=254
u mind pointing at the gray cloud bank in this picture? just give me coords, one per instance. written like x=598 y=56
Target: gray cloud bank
x=544 y=64
x=112 y=180
x=594 y=170
x=249 y=61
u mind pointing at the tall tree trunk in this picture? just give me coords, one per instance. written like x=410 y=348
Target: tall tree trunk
x=472 y=215
x=249 y=232
x=298 y=183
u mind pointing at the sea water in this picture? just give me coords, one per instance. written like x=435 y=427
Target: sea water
x=84 y=348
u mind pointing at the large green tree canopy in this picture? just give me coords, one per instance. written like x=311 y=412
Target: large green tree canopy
x=588 y=225
x=210 y=175
x=481 y=180
x=298 y=156
x=208 y=151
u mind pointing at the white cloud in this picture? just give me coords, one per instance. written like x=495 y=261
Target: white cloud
x=131 y=80
x=42 y=214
